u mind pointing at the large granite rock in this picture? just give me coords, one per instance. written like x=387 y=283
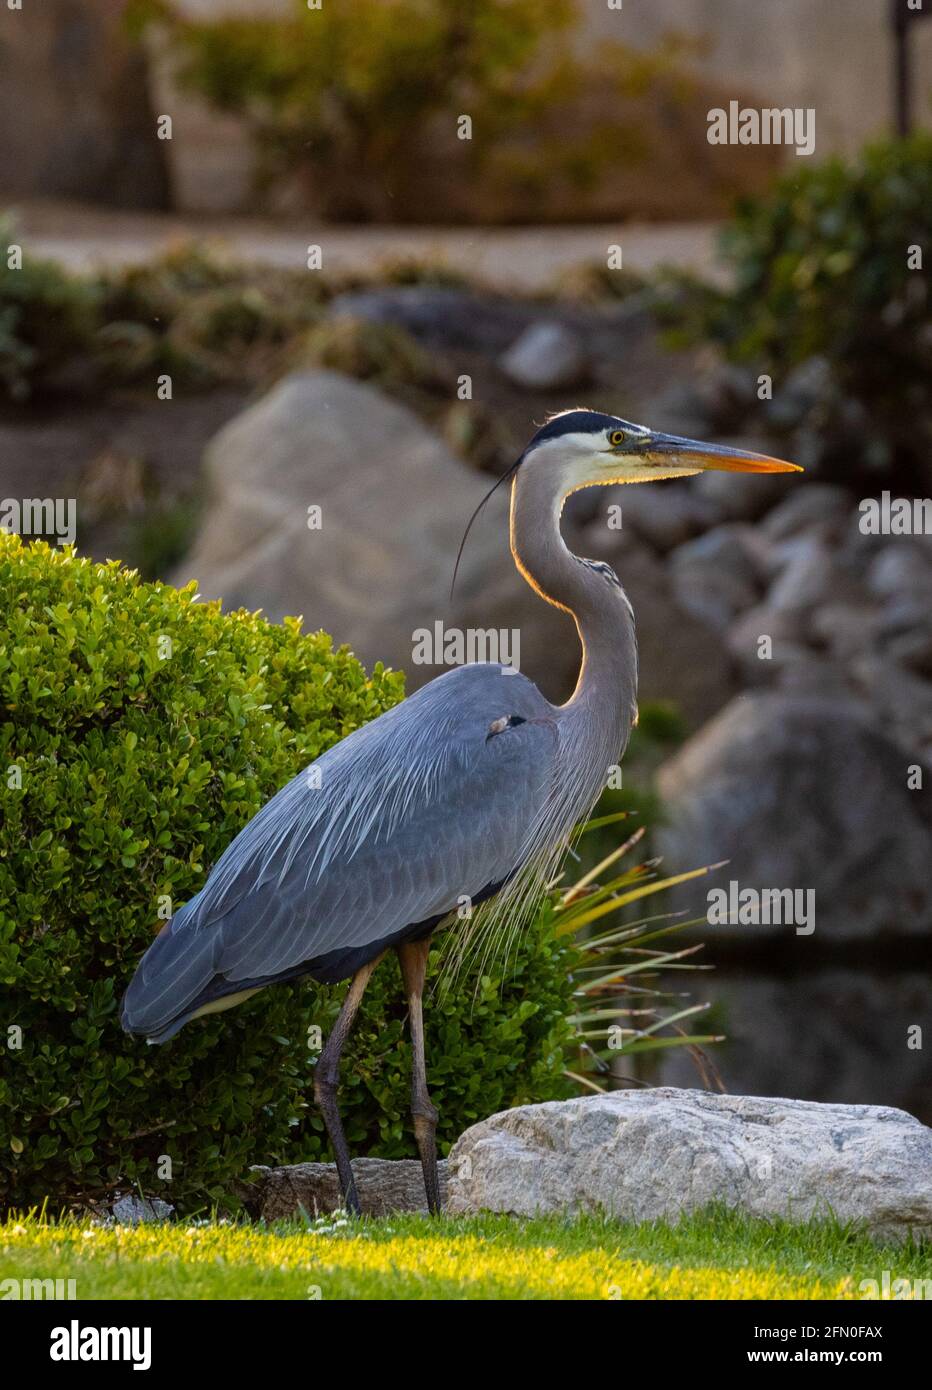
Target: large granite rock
x=802 y=792
x=393 y=504
x=652 y=1155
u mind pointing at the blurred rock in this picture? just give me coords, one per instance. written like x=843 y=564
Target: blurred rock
x=900 y=568
x=905 y=632
x=313 y=1189
x=802 y=389
x=678 y=409
x=802 y=792
x=547 y=356
x=835 y=1032
x=727 y=394
x=903 y=700
x=393 y=504
x=442 y=317
x=740 y=496
x=857 y=547
x=653 y=1155
x=800 y=670
x=844 y=630
x=718 y=575
x=139 y=1211
x=811 y=576
x=821 y=505
x=663 y=515
x=743 y=639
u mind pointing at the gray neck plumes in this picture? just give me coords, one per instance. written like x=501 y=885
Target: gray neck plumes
x=605 y=698
x=593 y=725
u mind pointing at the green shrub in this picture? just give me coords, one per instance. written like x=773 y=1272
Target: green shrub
x=821 y=267
x=379 y=352
x=146 y=730
x=342 y=99
x=190 y=313
x=46 y=317
x=200 y=318
x=343 y=90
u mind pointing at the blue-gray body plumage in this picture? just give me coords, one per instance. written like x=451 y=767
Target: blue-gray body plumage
x=426 y=808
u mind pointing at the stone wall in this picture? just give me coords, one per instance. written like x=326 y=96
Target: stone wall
x=74 y=107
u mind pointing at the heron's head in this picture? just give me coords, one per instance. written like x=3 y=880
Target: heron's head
x=587 y=449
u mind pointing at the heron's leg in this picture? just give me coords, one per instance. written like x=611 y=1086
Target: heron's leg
x=327 y=1080
x=413 y=959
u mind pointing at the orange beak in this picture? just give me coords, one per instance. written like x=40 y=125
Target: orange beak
x=691 y=453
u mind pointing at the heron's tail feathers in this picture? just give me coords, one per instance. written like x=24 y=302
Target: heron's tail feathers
x=181 y=977
x=175 y=971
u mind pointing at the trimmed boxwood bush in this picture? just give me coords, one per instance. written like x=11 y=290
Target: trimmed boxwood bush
x=139 y=731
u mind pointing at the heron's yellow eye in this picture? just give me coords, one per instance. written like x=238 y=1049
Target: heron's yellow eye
x=616 y=437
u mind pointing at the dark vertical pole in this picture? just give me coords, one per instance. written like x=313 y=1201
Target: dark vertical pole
x=902 y=95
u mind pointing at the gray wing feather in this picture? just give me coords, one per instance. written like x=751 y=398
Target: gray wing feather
x=413 y=811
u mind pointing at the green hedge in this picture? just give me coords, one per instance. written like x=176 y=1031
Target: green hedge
x=146 y=729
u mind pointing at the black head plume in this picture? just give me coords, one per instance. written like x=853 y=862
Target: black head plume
x=459 y=554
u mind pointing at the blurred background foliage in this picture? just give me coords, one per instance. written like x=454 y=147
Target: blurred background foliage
x=829 y=266
x=340 y=99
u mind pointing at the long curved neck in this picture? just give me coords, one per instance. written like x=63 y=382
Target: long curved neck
x=607 y=686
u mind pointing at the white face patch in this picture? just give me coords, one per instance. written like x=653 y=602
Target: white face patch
x=585 y=459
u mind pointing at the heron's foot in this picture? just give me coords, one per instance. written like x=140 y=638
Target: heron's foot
x=351 y=1202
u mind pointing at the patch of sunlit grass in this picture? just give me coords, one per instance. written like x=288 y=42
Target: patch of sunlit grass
x=713 y=1256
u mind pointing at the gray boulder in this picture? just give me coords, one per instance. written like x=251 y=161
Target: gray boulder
x=844 y=630
x=740 y=496
x=548 y=356
x=664 y=516
x=719 y=575
x=785 y=631
x=810 y=575
x=141 y=1211
x=652 y=1155
x=903 y=699
x=901 y=567
x=800 y=792
x=393 y=502
x=442 y=316
x=839 y=1032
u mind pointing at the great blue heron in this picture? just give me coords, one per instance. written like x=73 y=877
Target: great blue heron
x=467 y=791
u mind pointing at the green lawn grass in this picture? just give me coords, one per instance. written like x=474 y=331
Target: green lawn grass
x=715 y=1255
